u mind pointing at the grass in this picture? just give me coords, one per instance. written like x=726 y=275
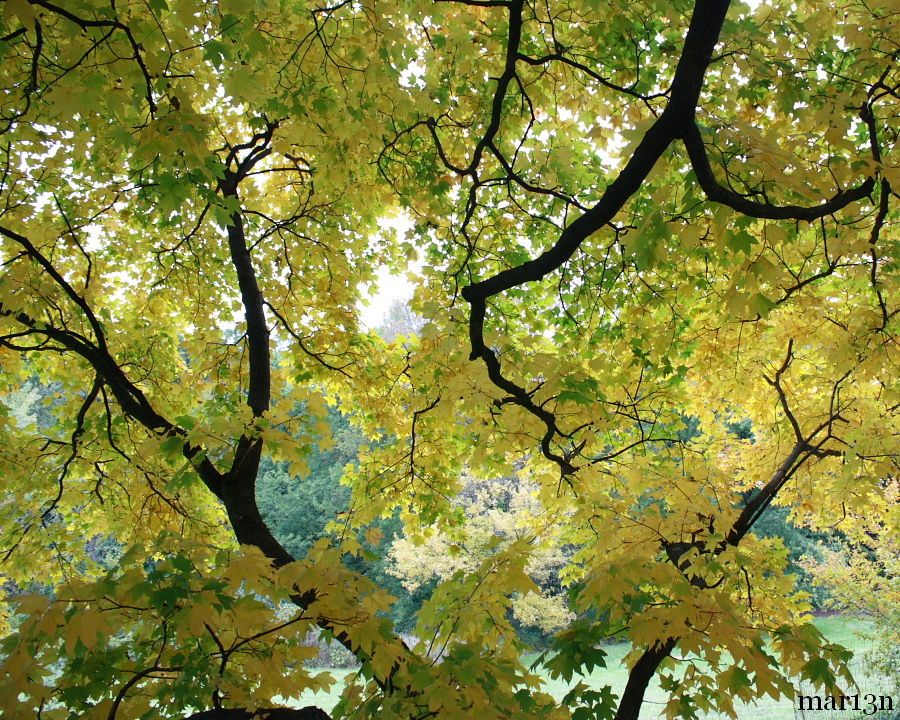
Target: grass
x=842 y=630
x=845 y=630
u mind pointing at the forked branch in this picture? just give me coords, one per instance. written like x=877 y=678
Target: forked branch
x=693 y=143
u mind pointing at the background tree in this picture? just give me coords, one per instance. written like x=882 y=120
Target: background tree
x=862 y=577
x=498 y=512
x=303 y=509
x=627 y=216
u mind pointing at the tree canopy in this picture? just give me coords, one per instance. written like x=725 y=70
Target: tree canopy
x=633 y=224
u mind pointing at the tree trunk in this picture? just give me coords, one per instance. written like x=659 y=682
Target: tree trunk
x=639 y=678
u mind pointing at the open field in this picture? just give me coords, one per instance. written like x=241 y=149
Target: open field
x=843 y=630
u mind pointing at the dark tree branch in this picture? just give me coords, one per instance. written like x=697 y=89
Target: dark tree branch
x=260 y=380
x=132 y=681
x=693 y=143
x=803 y=449
x=639 y=678
x=559 y=56
x=506 y=77
x=760 y=501
x=481 y=3
x=236 y=487
x=701 y=38
x=525 y=185
x=775 y=382
x=32 y=85
x=675 y=122
x=76 y=436
x=57 y=277
x=412 y=434
x=132 y=400
x=317 y=356
x=85 y=23
x=13 y=35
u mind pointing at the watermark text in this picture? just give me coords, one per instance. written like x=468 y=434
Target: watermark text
x=867 y=704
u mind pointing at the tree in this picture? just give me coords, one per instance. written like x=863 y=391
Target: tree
x=863 y=578
x=628 y=215
x=498 y=512
x=300 y=510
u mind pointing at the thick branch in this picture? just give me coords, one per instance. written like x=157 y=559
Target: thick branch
x=260 y=374
x=639 y=678
x=703 y=32
x=804 y=448
x=509 y=72
x=696 y=150
x=130 y=397
x=239 y=486
x=755 y=506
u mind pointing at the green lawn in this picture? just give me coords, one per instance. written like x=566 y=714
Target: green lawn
x=838 y=629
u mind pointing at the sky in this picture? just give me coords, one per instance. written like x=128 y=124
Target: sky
x=389 y=286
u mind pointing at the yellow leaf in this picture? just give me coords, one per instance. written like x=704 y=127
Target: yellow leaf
x=374 y=535
x=22 y=10
x=32 y=603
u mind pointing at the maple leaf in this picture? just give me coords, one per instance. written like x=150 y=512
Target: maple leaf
x=633 y=229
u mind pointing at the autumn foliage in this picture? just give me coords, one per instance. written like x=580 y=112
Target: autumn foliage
x=632 y=224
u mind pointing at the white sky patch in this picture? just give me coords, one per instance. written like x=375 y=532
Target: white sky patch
x=380 y=296
x=388 y=286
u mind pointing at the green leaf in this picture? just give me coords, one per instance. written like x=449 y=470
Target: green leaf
x=171 y=448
